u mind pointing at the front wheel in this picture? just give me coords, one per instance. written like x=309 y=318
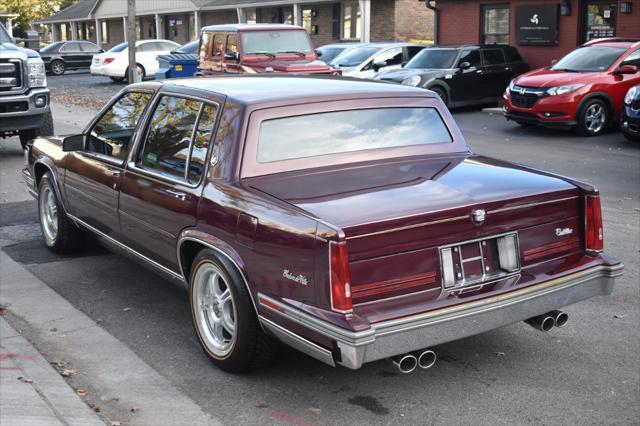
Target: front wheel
x=45 y=130
x=224 y=317
x=59 y=233
x=593 y=118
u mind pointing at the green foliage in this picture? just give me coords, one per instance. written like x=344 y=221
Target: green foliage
x=32 y=10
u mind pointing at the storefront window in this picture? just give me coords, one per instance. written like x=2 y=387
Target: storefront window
x=351 y=20
x=600 y=20
x=495 y=24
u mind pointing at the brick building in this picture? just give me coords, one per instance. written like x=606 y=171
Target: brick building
x=542 y=30
x=104 y=21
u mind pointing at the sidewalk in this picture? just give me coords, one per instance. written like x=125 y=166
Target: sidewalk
x=31 y=391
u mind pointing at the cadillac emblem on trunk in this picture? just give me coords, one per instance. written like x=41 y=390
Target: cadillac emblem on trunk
x=478 y=216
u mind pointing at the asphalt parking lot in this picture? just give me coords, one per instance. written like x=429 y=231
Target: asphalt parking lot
x=586 y=372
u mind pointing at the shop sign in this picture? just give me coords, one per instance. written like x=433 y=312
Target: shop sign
x=537 y=24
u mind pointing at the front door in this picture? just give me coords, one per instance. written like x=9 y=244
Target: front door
x=161 y=187
x=466 y=83
x=599 y=19
x=93 y=175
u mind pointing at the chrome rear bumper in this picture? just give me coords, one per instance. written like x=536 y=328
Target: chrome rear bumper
x=415 y=332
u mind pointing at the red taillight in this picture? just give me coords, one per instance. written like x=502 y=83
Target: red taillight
x=340 y=278
x=108 y=60
x=593 y=224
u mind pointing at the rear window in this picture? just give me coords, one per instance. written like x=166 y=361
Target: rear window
x=119 y=48
x=349 y=131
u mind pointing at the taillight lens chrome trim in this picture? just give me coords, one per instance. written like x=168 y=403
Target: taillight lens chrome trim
x=594 y=232
x=339 y=278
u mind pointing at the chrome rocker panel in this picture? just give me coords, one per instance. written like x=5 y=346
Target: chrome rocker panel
x=425 y=330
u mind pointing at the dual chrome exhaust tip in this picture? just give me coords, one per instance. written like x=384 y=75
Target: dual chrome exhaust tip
x=546 y=322
x=407 y=363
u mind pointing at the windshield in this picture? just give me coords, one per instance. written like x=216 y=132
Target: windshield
x=51 y=47
x=349 y=131
x=433 y=58
x=274 y=42
x=119 y=47
x=4 y=35
x=589 y=58
x=329 y=53
x=354 y=57
x=188 y=48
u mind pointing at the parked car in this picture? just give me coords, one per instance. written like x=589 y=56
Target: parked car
x=461 y=75
x=630 y=121
x=190 y=48
x=115 y=62
x=366 y=59
x=584 y=90
x=346 y=218
x=258 y=48
x=68 y=55
x=24 y=95
x=328 y=52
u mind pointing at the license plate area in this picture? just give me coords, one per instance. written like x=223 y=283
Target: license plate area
x=473 y=262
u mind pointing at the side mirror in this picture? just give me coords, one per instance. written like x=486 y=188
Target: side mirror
x=318 y=53
x=464 y=65
x=404 y=64
x=626 y=69
x=231 y=56
x=73 y=143
x=378 y=65
x=553 y=61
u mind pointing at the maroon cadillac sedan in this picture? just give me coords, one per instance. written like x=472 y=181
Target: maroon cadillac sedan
x=345 y=218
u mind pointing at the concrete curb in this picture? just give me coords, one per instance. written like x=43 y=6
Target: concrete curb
x=31 y=391
x=117 y=375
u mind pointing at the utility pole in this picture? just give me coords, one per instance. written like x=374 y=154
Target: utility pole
x=132 y=75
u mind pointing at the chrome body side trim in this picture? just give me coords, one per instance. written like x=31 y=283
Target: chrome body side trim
x=427 y=329
x=129 y=251
x=300 y=343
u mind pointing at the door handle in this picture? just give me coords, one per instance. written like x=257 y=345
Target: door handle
x=176 y=194
x=114 y=172
x=507 y=68
x=479 y=71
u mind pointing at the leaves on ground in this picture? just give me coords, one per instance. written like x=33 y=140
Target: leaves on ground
x=81 y=392
x=25 y=380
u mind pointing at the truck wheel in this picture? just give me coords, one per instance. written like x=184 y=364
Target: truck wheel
x=45 y=130
x=593 y=118
x=224 y=317
x=59 y=233
x=58 y=67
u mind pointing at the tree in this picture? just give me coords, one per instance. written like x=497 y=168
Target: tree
x=32 y=10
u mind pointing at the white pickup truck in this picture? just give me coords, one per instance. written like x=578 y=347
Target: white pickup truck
x=24 y=96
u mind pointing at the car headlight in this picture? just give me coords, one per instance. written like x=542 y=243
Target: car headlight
x=512 y=84
x=561 y=90
x=37 y=76
x=631 y=95
x=412 y=80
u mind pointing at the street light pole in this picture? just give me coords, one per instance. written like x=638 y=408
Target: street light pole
x=132 y=74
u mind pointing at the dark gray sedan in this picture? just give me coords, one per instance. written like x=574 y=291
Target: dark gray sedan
x=68 y=55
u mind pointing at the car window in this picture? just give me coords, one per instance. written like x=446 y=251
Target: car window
x=218 y=44
x=349 y=131
x=89 y=47
x=111 y=135
x=354 y=57
x=167 y=146
x=633 y=59
x=512 y=54
x=471 y=56
x=144 y=47
x=163 y=45
x=589 y=58
x=201 y=141
x=413 y=51
x=232 y=43
x=70 y=47
x=51 y=47
x=390 y=56
x=492 y=57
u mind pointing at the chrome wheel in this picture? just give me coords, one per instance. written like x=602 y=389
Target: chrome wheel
x=595 y=118
x=214 y=309
x=58 y=67
x=49 y=215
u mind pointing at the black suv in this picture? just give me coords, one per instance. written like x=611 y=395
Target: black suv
x=461 y=75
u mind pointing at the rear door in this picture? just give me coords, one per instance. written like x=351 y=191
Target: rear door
x=88 y=50
x=162 y=185
x=496 y=72
x=93 y=175
x=72 y=54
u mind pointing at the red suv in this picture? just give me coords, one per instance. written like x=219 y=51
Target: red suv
x=585 y=89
